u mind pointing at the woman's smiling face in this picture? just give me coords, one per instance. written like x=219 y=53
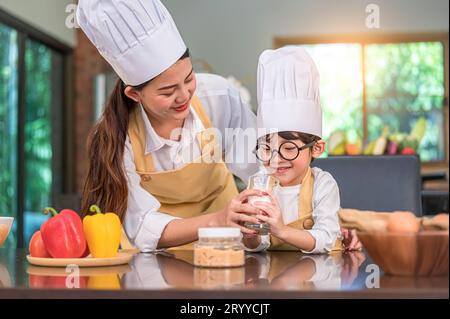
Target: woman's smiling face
x=291 y=172
x=168 y=96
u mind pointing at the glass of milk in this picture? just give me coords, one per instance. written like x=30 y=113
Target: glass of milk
x=264 y=182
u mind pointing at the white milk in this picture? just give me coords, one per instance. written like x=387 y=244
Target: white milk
x=253 y=199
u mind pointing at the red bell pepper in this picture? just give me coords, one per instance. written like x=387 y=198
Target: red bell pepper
x=86 y=252
x=63 y=234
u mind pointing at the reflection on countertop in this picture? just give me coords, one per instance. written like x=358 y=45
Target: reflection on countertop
x=274 y=270
x=173 y=271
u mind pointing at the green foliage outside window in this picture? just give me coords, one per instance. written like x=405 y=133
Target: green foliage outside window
x=37 y=131
x=8 y=125
x=404 y=82
x=38 y=147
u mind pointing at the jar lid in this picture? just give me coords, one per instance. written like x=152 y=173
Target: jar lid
x=219 y=232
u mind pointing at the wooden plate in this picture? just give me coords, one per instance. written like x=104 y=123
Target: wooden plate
x=122 y=257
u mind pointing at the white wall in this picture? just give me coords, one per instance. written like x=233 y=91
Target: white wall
x=230 y=34
x=48 y=16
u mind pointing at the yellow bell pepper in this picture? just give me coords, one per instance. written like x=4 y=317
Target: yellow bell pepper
x=102 y=232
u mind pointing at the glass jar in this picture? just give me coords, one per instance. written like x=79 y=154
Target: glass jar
x=266 y=182
x=219 y=247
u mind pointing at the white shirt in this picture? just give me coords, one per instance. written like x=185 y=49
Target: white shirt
x=143 y=222
x=145 y=273
x=328 y=272
x=326 y=205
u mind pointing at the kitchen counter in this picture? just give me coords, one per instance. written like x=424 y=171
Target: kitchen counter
x=171 y=274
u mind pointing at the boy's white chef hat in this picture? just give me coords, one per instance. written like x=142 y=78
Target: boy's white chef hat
x=137 y=37
x=288 y=92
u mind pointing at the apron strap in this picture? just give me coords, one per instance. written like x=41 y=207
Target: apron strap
x=304 y=214
x=207 y=137
x=306 y=194
x=198 y=108
x=137 y=135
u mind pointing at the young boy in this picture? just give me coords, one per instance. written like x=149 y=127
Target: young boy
x=303 y=214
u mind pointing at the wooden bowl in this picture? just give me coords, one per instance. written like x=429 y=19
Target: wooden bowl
x=422 y=254
x=5 y=228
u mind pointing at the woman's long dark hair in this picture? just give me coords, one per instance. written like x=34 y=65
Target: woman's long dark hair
x=106 y=182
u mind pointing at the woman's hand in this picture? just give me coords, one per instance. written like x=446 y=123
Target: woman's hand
x=239 y=211
x=350 y=239
x=271 y=214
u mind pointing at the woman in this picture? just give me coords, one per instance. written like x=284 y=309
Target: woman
x=156 y=181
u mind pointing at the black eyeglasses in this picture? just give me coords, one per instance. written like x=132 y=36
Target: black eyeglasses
x=287 y=150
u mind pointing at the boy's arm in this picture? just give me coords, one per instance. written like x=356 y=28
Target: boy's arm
x=301 y=239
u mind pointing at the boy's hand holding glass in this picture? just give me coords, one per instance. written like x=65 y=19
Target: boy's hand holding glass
x=272 y=216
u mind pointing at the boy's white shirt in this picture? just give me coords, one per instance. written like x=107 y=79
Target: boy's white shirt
x=326 y=205
x=328 y=272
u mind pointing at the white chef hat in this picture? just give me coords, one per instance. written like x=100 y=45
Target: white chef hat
x=288 y=92
x=137 y=37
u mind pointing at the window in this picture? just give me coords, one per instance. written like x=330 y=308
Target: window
x=370 y=85
x=38 y=135
x=32 y=104
x=405 y=82
x=341 y=91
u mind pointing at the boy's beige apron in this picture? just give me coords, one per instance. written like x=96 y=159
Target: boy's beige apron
x=305 y=218
x=203 y=186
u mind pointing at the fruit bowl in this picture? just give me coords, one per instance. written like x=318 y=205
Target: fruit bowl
x=5 y=228
x=408 y=254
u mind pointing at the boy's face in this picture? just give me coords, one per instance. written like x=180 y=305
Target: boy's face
x=291 y=173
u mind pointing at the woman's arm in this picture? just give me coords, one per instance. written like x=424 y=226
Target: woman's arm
x=183 y=231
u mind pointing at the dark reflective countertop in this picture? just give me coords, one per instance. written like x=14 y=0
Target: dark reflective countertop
x=171 y=274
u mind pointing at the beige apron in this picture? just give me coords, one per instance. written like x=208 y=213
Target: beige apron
x=203 y=186
x=305 y=219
